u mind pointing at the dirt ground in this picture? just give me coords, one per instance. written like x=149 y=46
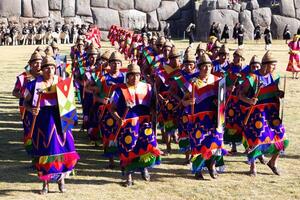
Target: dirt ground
x=170 y=180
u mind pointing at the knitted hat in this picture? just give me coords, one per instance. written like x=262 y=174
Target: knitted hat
x=133 y=68
x=201 y=46
x=92 y=51
x=189 y=58
x=268 y=58
x=35 y=56
x=174 y=53
x=240 y=53
x=168 y=44
x=106 y=55
x=204 y=59
x=48 y=60
x=54 y=45
x=115 y=56
x=224 y=50
x=254 y=60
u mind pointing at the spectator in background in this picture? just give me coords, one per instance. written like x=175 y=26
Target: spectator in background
x=235 y=31
x=286 y=33
x=257 y=33
x=190 y=32
x=241 y=36
x=167 y=32
x=225 y=33
x=268 y=38
x=218 y=31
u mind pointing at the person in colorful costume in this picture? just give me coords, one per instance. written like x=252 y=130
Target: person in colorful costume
x=233 y=126
x=201 y=117
x=90 y=105
x=102 y=63
x=294 y=61
x=183 y=80
x=131 y=107
x=263 y=127
x=19 y=90
x=60 y=61
x=201 y=49
x=221 y=65
x=54 y=154
x=168 y=98
x=108 y=84
x=254 y=65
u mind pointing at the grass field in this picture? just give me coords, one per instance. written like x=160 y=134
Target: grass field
x=170 y=180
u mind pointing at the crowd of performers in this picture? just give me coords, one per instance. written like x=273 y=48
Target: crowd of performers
x=122 y=109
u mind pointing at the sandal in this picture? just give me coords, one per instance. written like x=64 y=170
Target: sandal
x=262 y=160
x=253 y=173
x=146 y=175
x=128 y=183
x=199 y=176
x=45 y=189
x=274 y=169
x=61 y=186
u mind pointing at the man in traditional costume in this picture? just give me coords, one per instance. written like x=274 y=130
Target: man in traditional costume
x=201 y=117
x=19 y=91
x=132 y=108
x=263 y=128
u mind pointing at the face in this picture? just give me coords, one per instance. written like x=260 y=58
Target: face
x=223 y=57
x=189 y=67
x=48 y=72
x=115 y=66
x=237 y=60
x=271 y=67
x=166 y=52
x=175 y=62
x=92 y=59
x=215 y=52
x=201 y=52
x=159 y=48
x=255 y=66
x=55 y=51
x=205 y=70
x=133 y=79
x=80 y=47
x=35 y=66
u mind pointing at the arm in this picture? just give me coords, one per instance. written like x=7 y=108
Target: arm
x=243 y=94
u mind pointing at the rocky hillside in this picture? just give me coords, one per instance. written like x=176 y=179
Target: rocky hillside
x=134 y=14
x=249 y=13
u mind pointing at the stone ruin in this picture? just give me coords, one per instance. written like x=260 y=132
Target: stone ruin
x=133 y=14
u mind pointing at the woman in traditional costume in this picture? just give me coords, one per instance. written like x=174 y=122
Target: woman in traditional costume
x=294 y=61
x=201 y=115
x=131 y=106
x=53 y=150
x=263 y=127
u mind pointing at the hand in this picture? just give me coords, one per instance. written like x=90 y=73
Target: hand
x=120 y=121
x=105 y=100
x=188 y=102
x=35 y=111
x=280 y=94
x=253 y=101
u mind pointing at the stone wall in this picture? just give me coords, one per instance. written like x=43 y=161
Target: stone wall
x=249 y=13
x=132 y=14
